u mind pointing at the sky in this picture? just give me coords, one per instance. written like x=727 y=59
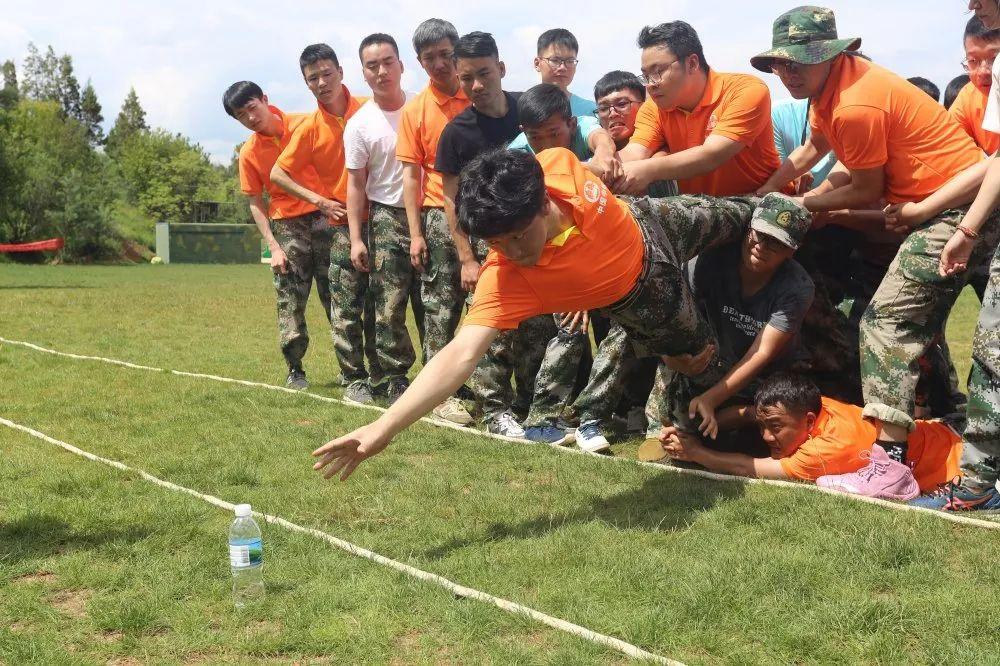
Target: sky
x=181 y=55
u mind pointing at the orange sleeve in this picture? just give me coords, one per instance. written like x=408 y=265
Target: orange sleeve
x=503 y=298
x=298 y=153
x=862 y=133
x=251 y=182
x=961 y=115
x=745 y=114
x=807 y=463
x=408 y=148
x=648 y=131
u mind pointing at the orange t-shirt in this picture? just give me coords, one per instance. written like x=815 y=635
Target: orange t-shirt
x=319 y=141
x=968 y=110
x=873 y=118
x=424 y=118
x=736 y=106
x=594 y=264
x=259 y=153
x=841 y=435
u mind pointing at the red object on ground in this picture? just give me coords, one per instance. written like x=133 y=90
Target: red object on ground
x=50 y=245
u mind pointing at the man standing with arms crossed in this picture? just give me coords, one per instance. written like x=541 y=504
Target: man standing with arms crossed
x=432 y=250
x=319 y=142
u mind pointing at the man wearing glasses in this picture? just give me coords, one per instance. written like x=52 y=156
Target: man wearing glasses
x=981 y=48
x=715 y=126
x=556 y=62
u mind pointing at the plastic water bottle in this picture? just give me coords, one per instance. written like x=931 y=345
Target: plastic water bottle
x=246 y=558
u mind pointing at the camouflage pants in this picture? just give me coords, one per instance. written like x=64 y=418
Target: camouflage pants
x=909 y=309
x=613 y=366
x=566 y=356
x=305 y=240
x=440 y=284
x=981 y=451
x=352 y=316
x=390 y=283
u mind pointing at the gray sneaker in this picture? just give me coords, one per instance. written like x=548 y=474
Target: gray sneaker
x=359 y=392
x=397 y=386
x=297 y=379
x=505 y=423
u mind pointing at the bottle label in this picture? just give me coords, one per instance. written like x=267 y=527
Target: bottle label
x=245 y=554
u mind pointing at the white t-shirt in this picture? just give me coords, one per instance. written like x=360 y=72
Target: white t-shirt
x=991 y=119
x=370 y=143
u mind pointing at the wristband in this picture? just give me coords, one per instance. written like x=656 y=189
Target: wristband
x=968 y=233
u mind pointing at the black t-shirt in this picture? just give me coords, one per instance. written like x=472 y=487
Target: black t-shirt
x=470 y=133
x=781 y=303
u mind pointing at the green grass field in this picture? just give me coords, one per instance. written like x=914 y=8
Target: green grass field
x=99 y=566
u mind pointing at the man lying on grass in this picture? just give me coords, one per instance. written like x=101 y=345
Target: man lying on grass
x=561 y=242
x=813 y=438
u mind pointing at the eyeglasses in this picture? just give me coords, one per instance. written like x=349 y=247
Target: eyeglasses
x=654 y=78
x=767 y=242
x=778 y=66
x=621 y=106
x=556 y=63
x=972 y=64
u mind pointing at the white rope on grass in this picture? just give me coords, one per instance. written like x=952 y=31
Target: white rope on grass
x=458 y=590
x=951 y=517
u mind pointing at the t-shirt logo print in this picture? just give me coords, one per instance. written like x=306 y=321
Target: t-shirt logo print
x=591 y=191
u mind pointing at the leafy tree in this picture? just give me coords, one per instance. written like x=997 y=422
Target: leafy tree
x=9 y=93
x=90 y=115
x=41 y=75
x=69 y=89
x=131 y=119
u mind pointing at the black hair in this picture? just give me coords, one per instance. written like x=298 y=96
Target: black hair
x=498 y=192
x=476 y=45
x=559 y=37
x=954 y=87
x=316 y=52
x=432 y=31
x=619 y=80
x=796 y=393
x=538 y=103
x=378 y=38
x=239 y=95
x=976 y=29
x=927 y=86
x=678 y=36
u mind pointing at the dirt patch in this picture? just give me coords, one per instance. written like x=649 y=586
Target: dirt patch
x=405 y=646
x=135 y=252
x=19 y=627
x=36 y=577
x=71 y=602
x=111 y=636
x=124 y=661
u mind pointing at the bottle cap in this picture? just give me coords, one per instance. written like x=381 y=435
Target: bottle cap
x=243 y=510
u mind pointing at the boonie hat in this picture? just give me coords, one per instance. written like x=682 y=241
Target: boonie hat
x=806 y=35
x=781 y=218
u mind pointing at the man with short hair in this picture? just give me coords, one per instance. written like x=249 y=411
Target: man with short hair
x=717 y=126
x=954 y=87
x=432 y=250
x=899 y=146
x=981 y=47
x=319 y=142
x=556 y=60
x=300 y=242
x=927 y=86
x=375 y=194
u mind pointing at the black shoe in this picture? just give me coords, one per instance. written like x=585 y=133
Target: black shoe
x=397 y=386
x=297 y=379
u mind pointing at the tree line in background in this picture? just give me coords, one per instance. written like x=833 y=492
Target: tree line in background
x=60 y=176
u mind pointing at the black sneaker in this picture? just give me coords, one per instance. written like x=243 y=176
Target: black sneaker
x=397 y=386
x=297 y=379
x=359 y=392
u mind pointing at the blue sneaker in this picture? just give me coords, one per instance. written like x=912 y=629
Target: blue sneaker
x=953 y=497
x=590 y=438
x=546 y=433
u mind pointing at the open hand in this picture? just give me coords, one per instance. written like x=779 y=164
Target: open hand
x=344 y=454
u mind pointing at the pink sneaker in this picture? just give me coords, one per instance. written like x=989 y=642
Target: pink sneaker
x=883 y=477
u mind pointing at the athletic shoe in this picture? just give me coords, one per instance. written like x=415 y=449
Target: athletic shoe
x=883 y=477
x=635 y=421
x=953 y=497
x=359 y=392
x=505 y=424
x=397 y=386
x=590 y=438
x=453 y=411
x=297 y=379
x=546 y=433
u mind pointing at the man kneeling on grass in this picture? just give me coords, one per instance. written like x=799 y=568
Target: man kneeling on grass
x=561 y=242
x=819 y=439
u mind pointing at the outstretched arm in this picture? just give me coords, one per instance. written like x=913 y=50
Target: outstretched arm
x=684 y=446
x=439 y=379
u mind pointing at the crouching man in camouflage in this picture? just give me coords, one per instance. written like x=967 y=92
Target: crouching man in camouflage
x=561 y=242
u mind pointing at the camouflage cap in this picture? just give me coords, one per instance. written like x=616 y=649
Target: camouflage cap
x=806 y=35
x=780 y=217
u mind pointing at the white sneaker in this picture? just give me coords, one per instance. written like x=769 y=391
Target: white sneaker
x=590 y=438
x=505 y=424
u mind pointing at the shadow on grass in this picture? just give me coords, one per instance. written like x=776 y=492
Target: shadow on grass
x=39 y=535
x=665 y=503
